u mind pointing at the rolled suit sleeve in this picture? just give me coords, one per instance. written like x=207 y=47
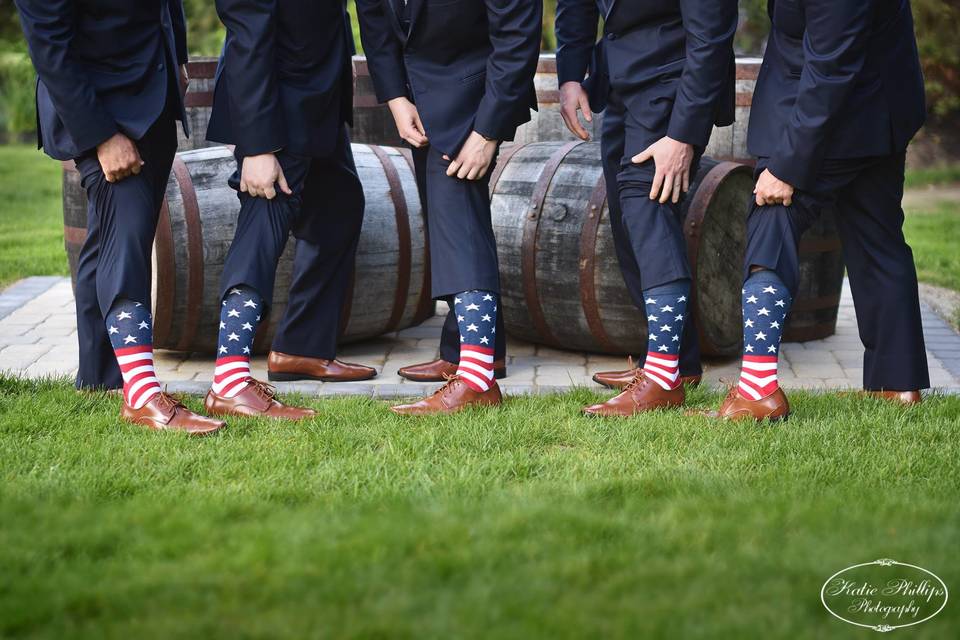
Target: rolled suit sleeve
x=835 y=49
x=253 y=94
x=710 y=26
x=47 y=27
x=383 y=50
x=515 y=31
x=576 y=28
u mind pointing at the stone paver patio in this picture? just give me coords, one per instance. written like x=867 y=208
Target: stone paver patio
x=38 y=339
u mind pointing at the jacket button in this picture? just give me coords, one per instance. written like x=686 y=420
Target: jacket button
x=611 y=36
x=160 y=67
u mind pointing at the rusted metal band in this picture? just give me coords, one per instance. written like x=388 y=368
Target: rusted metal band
x=744 y=99
x=425 y=306
x=191 y=219
x=74 y=235
x=547 y=64
x=747 y=70
x=548 y=96
x=503 y=159
x=166 y=278
x=588 y=264
x=820 y=245
x=366 y=101
x=195 y=99
x=692 y=230
x=403 y=237
x=202 y=69
x=528 y=247
x=816 y=304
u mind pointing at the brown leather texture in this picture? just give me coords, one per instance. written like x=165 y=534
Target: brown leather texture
x=639 y=396
x=256 y=400
x=164 y=412
x=450 y=398
x=734 y=407
x=620 y=379
x=902 y=397
x=439 y=370
x=282 y=367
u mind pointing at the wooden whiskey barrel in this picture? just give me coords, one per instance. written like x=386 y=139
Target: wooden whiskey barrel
x=560 y=278
x=197 y=222
x=198 y=103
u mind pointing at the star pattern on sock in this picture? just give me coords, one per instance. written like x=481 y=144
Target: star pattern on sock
x=662 y=364
x=765 y=305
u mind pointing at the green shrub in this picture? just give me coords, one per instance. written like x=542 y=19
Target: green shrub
x=17 y=88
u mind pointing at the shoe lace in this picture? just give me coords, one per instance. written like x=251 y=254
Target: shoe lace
x=448 y=385
x=168 y=402
x=638 y=379
x=267 y=392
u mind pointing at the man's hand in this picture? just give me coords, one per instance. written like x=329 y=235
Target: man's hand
x=259 y=174
x=672 y=160
x=184 y=80
x=118 y=158
x=772 y=190
x=407 y=118
x=572 y=99
x=474 y=158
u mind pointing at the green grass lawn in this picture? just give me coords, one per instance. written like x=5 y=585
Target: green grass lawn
x=522 y=523
x=31 y=216
x=934 y=234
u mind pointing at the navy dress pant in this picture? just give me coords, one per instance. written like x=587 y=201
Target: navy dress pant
x=647 y=235
x=463 y=250
x=866 y=194
x=324 y=214
x=115 y=259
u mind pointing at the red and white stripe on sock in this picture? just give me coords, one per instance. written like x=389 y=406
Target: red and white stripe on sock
x=758 y=377
x=476 y=367
x=663 y=369
x=231 y=375
x=140 y=382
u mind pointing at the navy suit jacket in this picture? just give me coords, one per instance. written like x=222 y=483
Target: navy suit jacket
x=285 y=79
x=838 y=80
x=103 y=66
x=671 y=61
x=467 y=64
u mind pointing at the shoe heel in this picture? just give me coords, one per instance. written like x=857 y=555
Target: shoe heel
x=500 y=374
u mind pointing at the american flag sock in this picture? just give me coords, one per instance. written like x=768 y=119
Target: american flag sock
x=239 y=316
x=477 y=319
x=666 y=307
x=131 y=335
x=766 y=303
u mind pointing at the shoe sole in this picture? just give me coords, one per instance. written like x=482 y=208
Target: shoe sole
x=693 y=385
x=498 y=374
x=294 y=377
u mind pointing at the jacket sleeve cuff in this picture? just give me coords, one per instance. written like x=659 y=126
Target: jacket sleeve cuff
x=94 y=131
x=572 y=67
x=491 y=127
x=793 y=171
x=387 y=91
x=696 y=133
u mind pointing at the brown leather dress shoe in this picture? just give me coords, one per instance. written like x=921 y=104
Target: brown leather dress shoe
x=620 y=379
x=163 y=412
x=257 y=399
x=906 y=398
x=282 y=367
x=439 y=370
x=639 y=396
x=734 y=407
x=450 y=398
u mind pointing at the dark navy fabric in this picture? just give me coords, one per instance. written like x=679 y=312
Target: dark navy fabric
x=671 y=62
x=285 y=79
x=865 y=193
x=103 y=66
x=240 y=314
x=838 y=80
x=468 y=65
x=325 y=214
x=114 y=261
